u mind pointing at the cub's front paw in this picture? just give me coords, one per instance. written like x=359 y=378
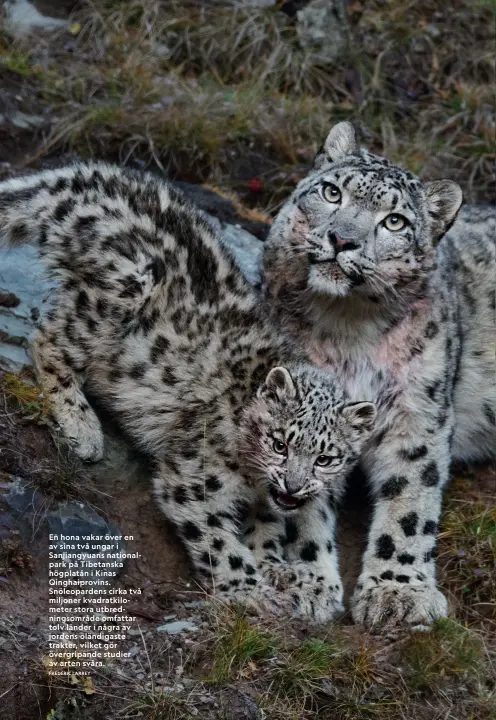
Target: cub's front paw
x=260 y=599
x=388 y=604
x=317 y=597
x=320 y=602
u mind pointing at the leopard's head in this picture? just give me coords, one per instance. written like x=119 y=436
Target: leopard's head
x=358 y=225
x=300 y=436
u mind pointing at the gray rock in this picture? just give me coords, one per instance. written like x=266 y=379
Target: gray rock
x=20 y=504
x=21 y=498
x=432 y=30
x=24 y=297
x=247 y=251
x=74 y=518
x=134 y=632
x=195 y=604
x=240 y=705
x=68 y=518
x=174 y=628
x=21 y=17
x=22 y=121
x=322 y=29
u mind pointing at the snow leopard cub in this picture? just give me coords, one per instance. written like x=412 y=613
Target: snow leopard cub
x=358 y=269
x=251 y=445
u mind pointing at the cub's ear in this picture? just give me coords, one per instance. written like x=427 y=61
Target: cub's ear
x=360 y=415
x=278 y=385
x=444 y=198
x=341 y=141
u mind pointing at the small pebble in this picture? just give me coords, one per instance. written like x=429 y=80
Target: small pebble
x=174 y=628
x=133 y=632
x=195 y=604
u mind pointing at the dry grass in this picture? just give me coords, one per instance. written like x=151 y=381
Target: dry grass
x=252 y=214
x=306 y=666
x=161 y=706
x=468 y=552
x=222 y=95
x=337 y=675
x=27 y=397
x=238 y=645
x=333 y=674
x=42 y=458
x=448 y=651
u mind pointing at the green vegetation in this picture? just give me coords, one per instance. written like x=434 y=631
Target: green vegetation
x=238 y=644
x=468 y=552
x=303 y=668
x=449 y=650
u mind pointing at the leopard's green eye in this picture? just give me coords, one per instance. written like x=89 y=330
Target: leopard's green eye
x=331 y=193
x=323 y=460
x=394 y=223
x=279 y=447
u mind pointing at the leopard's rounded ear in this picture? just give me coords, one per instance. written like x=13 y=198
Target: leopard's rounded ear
x=278 y=385
x=444 y=199
x=341 y=141
x=360 y=415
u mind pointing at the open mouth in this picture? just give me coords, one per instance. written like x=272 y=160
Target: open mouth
x=356 y=278
x=285 y=501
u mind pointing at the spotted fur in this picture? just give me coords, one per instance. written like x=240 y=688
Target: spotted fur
x=362 y=269
x=153 y=316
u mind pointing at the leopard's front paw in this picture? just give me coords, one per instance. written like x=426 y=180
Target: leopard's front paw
x=315 y=597
x=388 y=604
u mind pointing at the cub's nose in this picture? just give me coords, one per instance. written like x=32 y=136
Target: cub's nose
x=341 y=244
x=295 y=485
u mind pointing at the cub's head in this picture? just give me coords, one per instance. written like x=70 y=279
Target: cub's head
x=299 y=435
x=358 y=224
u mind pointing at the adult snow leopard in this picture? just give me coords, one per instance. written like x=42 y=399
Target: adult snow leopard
x=359 y=270
x=251 y=445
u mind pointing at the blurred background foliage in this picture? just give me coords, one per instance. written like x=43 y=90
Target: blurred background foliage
x=230 y=93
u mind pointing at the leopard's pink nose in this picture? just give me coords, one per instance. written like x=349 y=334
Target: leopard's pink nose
x=342 y=243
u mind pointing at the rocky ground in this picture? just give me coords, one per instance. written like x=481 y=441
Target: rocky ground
x=172 y=88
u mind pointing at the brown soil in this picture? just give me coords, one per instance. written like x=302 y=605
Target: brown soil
x=118 y=488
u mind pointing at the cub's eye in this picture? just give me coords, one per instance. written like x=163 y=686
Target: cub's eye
x=323 y=460
x=331 y=193
x=279 y=447
x=395 y=223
